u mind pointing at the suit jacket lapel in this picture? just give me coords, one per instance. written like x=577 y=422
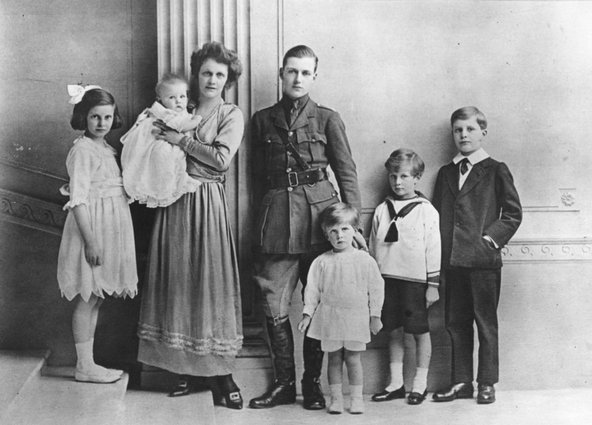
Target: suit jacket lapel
x=476 y=174
x=451 y=175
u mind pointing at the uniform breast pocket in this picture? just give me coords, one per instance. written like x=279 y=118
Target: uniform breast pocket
x=274 y=148
x=319 y=196
x=317 y=143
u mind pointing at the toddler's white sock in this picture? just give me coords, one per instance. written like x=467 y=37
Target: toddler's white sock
x=336 y=405
x=357 y=399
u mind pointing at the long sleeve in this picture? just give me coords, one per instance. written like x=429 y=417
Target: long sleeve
x=433 y=246
x=341 y=161
x=375 y=288
x=502 y=230
x=312 y=292
x=218 y=153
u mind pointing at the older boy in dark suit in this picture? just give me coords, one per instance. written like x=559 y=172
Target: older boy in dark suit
x=479 y=212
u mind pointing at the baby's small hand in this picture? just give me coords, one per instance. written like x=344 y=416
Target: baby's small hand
x=304 y=323
x=375 y=324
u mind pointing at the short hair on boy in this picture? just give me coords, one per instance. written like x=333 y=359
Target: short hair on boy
x=467 y=112
x=338 y=213
x=221 y=54
x=404 y=156
x=300 y=51
x=169 y=78
x=92 y=98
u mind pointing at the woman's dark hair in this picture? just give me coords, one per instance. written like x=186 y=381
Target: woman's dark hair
x=92 y=98
x=221 y=54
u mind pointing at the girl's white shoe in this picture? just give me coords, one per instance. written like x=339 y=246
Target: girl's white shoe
x=97 y=376
x=357 y=399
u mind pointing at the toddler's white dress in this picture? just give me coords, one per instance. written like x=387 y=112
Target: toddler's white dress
x=154 y=171
x=95 y=181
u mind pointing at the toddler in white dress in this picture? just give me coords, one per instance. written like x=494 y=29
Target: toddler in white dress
x=154 y=171
x=342 y=303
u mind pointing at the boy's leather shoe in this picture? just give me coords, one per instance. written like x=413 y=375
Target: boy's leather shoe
x=416 y=398
x=460 y=390
x=486 y=394
x=389 y=395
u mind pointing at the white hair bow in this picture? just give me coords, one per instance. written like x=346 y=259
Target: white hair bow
x=76 y=92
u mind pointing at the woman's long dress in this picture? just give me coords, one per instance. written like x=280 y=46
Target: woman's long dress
x=190 y=319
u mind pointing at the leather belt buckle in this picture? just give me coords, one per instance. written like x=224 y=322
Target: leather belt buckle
x=293 y=179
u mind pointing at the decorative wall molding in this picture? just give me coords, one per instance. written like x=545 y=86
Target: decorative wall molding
x=545 y=250
x=31 y=212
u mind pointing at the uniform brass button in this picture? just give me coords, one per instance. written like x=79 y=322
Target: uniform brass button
x=290 y=133
x=290 y=189
x=288 y=170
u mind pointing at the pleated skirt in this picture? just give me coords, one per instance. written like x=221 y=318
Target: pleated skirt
x=190 y=318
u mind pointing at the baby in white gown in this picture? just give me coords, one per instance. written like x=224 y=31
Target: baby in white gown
x=154 y=171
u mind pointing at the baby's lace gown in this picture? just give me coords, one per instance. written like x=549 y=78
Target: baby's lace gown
x=154 y=171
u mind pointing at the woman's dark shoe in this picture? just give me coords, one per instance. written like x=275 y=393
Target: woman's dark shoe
x=389 y=395
x=229 y=391
x=416 y=398
x=183 y=387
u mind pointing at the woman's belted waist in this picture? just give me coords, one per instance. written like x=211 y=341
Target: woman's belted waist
x=297 y=178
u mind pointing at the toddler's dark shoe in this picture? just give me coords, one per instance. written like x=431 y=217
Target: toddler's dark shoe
x=183 y=387
x=389 y=395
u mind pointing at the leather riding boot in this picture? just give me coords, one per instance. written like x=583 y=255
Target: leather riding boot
x=283 y=388
x=312 y=395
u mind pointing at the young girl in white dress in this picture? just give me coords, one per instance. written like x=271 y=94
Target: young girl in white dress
x=97 y=252
x=154 y=171
x=342 y=304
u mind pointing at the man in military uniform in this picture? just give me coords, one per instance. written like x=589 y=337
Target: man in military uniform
x=294 y=141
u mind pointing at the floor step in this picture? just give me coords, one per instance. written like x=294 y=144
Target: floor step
x=17 y=368
x=52 y=400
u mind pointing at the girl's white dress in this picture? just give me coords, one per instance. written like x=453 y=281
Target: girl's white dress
x=95 y=181
x=154 y=171
x=342 y=292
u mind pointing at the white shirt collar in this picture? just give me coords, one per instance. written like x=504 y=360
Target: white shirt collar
x=477 y=156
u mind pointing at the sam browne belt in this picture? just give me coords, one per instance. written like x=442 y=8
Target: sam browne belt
x=297 y=178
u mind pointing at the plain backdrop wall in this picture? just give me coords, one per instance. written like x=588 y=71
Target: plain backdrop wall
x=395 y=70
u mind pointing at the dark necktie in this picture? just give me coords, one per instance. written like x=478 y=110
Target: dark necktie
x=294 y=112
x=464 y=167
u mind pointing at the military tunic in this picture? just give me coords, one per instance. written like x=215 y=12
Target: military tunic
x=288 y=219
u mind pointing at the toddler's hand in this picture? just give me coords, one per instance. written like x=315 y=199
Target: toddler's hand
x=375 y=324
x=93 y=255
x=432 y=296
x=304 y=323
